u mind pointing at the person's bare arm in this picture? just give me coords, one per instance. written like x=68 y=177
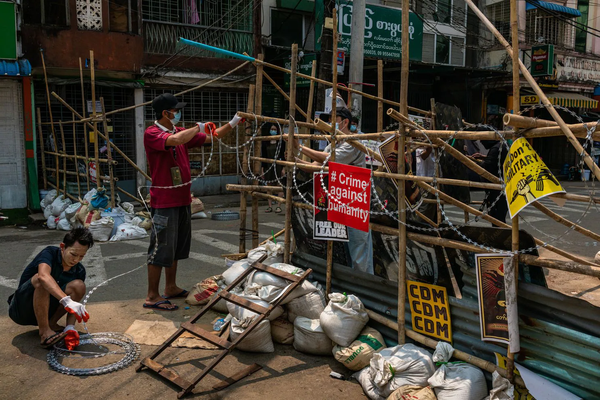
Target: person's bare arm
x=47 y=281
x=426 y=153
x=182 y=137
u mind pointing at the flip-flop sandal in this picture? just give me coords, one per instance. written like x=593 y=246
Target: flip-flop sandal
x=278 y=210
x=52 y=340
x=156 y=306
x=183 y=293
x=268 y=210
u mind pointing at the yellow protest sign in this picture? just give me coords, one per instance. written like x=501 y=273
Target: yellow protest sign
x=429 y=310
x=526 y=176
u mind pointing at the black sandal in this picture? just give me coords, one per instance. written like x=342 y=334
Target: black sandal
x=277 y=210
x=268 y=210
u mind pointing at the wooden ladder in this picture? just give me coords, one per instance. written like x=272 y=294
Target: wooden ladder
x=225 y=345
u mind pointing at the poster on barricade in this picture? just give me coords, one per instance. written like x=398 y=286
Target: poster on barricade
x=429 y=309
x=389 y=153
x=323 y=229
x=493 y=320
x=349 y=195
x=527 y=177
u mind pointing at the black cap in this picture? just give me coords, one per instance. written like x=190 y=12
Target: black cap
x=166 y=101
x=341 y=112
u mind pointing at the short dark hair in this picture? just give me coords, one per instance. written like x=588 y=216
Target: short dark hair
x=355 y=120
x=81 y=235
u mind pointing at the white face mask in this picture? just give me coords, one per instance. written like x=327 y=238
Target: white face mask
x=176 y=118
x=273 y=131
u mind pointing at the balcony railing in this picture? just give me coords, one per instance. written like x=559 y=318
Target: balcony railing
x=162 y=38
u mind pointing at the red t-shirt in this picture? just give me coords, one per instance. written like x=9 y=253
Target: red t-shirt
x=161 y=159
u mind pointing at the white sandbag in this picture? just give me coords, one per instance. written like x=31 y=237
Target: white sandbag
x=62 y=215
x=282 y=331
x=242 y=313
x=128 y=231
x=309 y=337
x=200 y=215
x=394 y=367
x=358 y=355
x=102 y=228
x=412 y=392
x=274 y=286
x=48 y=211
x=59 y=205
x=258 y=341
x=49 y=198
x=456 y=381
x=233 y=272
x=502 y=388
x=202 y=292
x=274 y=253
x=63 y=225
x=51 y=222
x=343 y=318
x=310 y=306
x=71 y=211
x=128 y=207
x=88 y=196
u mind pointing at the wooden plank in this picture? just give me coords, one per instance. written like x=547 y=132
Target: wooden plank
x=277 y=272
x=206 y=335
x=243 y=302
x=237 y=376
x=166 y=373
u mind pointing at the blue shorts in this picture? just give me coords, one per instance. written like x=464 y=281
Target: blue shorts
x=20 y=308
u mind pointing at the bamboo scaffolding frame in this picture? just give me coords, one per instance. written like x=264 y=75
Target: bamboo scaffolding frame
x=75 y=158
x=290 y=156
x=85 y=134
x=244 y=180
x=257 y=150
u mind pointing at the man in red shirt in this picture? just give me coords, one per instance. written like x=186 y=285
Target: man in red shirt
x=167 y=152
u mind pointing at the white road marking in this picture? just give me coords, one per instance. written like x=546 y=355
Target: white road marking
x=277 y=225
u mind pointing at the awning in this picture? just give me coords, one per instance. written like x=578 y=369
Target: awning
x=15 y=68
x=571 y=100
x=531 y=4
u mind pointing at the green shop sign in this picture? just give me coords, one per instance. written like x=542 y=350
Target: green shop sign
x=304 y=67
x=383 y=32
x=542 y=60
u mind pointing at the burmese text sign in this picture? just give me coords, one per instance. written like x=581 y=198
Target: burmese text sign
x=350 y=195
x=527 y=177
x=430 y=310
x=322 y=228
x=493 y=320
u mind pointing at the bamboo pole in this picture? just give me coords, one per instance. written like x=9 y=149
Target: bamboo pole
x=290 y=157
x=331 y=128
x=536 y=88
x=96 y=154
x=75 y=158
x=78 y=157
x=324 y=126
x=252 y=188
x=43 y=153
x=147 y=103
x=51 y=119
x=257 y=150
x=64 y=145
x=519 y=121
x=108 y=153
x=85 y=137
x=380 y=95
x=142 y=202
x=431 y=343
x=64 y=103
x=280 y=121
x=244 y=180
x=284 y=94
x=513 y=270
x=309 y=107
x=401 y=186
x=566 y=266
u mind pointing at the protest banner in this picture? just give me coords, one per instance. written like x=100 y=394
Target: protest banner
x=527 y=177
x=429 y=310
x=322 y=228
x=493 y=320
x=350 y=187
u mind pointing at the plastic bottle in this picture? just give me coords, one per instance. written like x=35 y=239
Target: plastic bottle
x=219 y=324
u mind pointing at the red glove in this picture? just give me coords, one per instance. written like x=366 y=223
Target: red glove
x=209 y=128
x=72 y=338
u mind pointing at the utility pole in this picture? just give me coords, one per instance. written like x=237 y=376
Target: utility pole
x=357 y=44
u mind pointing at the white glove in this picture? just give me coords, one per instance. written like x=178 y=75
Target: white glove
x=236 y=120
x=75 y=308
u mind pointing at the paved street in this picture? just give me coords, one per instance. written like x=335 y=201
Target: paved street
x=287 y=374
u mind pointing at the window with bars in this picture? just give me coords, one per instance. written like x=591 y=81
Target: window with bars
x=499 y=14
x=452 y=12
x=122 y=125
x=229 y=14
x=443 y=49
x=543 y=28
x=216 y=106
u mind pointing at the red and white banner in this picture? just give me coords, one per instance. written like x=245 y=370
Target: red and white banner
x=350 y=186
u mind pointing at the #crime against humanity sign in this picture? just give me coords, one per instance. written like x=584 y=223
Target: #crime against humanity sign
x=527 y=177
x=324 y=229
x=429 y=310
x=350 y=187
